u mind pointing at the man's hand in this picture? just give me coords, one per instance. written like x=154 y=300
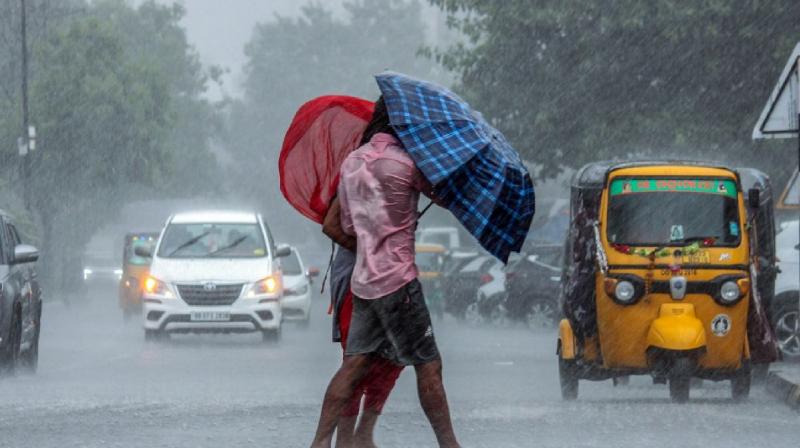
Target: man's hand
x=332 y=227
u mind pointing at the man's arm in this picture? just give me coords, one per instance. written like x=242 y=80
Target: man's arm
x=332 y=227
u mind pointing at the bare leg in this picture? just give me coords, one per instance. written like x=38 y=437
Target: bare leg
x=339 y=392
x=365 y=432
x=433 y=399
x=345 y=430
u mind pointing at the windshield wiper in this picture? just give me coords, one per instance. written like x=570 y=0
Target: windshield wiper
x=191 y=242
x=229 y=246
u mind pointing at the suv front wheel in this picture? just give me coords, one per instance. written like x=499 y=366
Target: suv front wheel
x=271 y=336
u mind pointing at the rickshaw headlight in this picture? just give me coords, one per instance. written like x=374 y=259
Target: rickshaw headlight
x=624 y=292
x=729 y=291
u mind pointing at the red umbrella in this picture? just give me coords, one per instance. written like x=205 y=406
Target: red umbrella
x=323 y=132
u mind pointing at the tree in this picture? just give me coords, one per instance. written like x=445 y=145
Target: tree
x=116 y=95
x=291 y=60
x=571 y=82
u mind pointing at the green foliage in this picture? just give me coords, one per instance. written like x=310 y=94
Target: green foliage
x=292 y=60
x=116 y=97
x=571 y=82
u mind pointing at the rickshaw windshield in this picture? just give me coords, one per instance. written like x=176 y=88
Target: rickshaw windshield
x=130 y=252
x=673 y=212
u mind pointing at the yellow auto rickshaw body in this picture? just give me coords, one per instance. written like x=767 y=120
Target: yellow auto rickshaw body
x=668 y=280
x=430 y=259
x=430 y=263
x=135 y=270
x=657 y=320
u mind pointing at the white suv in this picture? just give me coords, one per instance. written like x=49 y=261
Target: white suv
x=214 y=272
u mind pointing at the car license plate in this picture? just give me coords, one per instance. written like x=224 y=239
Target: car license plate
x=210 y=316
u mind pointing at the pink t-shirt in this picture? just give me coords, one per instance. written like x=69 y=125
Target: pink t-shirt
x=379 y=189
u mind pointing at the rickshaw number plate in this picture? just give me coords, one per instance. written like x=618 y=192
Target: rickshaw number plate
x=698 y=258
x=210 y=316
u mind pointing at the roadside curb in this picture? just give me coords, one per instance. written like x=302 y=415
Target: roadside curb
x=784 y=390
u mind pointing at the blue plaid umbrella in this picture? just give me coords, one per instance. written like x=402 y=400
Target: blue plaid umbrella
x=478 y=175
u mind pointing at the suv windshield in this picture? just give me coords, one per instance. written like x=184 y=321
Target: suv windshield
x=212 y=241
x=670 y=212
x=291 y=265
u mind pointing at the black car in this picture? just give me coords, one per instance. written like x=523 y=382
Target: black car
x=20 y=301
x=533 y=285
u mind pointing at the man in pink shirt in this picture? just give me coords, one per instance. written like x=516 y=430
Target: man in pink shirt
x=379 y=191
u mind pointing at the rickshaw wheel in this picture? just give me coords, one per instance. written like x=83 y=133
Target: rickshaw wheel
x=568 y=378
x=680 y=380
x=740 y=384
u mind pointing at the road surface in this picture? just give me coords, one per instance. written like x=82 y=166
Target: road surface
x=100 y=385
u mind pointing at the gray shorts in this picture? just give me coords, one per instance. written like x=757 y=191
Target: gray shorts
x=396 y=327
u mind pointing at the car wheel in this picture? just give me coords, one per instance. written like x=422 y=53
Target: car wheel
x=30 y=358
x=272 y=336
x=498 y=316
x=472 y=315
x=787 y=328
x=9 y=356
x=543 y=315
x=155 y=336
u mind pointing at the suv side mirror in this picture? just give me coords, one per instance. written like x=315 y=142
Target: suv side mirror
x=143 y=251
x=283 y=251
x=753 y=198
x=24 y=253
x=312 y=272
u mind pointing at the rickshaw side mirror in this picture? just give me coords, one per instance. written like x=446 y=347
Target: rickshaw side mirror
x=143 y=251
x=754 y=198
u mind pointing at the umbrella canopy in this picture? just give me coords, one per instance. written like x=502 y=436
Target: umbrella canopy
x=323 y=132
x=478 y=176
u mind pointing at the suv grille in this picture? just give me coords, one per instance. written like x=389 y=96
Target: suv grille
x=200 y=295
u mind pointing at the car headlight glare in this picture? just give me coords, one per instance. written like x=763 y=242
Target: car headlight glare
x=729 y=291
x=624 y=291
x=156 y=287
x=266 y=286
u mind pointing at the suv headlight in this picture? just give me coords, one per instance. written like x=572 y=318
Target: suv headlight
x=155 y=287
x=729 y=291
x=267 y=286
x=299 y=291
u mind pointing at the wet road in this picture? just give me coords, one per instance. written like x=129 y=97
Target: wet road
x=100 y=385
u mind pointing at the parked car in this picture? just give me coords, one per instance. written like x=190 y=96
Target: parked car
x=460 y=282
x=490 y=300
x=533 y=285
x=214 y=272
x=20 y=302
x=296 y=301
x=785 y=308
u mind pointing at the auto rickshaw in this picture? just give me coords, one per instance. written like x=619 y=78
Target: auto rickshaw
x=661 y=275
x=430 y=261
x=134 y=272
